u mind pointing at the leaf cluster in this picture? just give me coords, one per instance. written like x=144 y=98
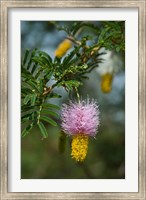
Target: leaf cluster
x=108 y=34
x=112 y=35
x=36 y=71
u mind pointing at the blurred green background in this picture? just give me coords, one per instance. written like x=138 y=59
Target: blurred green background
x=41 y=159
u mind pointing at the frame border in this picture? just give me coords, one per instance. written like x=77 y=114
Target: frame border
x=5 y=5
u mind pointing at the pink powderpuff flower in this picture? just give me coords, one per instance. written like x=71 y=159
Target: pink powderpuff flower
x=81 y=121
x=80 y=118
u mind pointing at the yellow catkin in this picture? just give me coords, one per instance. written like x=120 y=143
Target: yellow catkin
x=106 y=82
x=79 y=147
x=63 y=48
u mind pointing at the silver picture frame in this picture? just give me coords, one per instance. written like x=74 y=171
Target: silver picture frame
x=141 y=5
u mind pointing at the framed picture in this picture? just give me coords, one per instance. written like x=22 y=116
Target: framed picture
x=73 y=99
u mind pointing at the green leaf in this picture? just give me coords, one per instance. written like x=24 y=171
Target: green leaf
x=27 y=99
x=26 y=117
x=33 y=99
x=47 y=119
x=27 y=130
x=50 y=112
x=45 y=55
x=25 y=90
x=57 y=61
x=49 y=75
x=40 y=85
x=43 y=130
x=70 y=84
x=68 y=58
x=42 y=60
x=73 y=83
x=32 y=84
x=38 y=60
x=26 y=74
x=34 y=67
x=46 y=61
x=38 y=72
x=30 y=60
x=49 y=105
x=28 y=108
x=25 y=56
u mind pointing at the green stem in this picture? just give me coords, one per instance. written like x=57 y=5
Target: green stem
x=39 y=114
x=77 y=93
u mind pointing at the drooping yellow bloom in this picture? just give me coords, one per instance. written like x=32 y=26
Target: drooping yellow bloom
x=63 y=48
x=79 y=147
x=106 y=82
x=80 y=120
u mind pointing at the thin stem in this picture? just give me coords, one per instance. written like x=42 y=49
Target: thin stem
x=77 y=93
x=39 y=114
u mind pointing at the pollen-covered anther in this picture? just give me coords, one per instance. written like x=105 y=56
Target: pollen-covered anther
x=79 y=147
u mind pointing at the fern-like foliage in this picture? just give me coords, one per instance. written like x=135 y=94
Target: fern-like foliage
x=37 y=69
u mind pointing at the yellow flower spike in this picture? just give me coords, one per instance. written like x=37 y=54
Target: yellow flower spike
x=63 y=48
x=79 y=147
x=106 y=82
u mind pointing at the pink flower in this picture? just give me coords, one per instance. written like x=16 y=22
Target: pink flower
x=80 y=118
